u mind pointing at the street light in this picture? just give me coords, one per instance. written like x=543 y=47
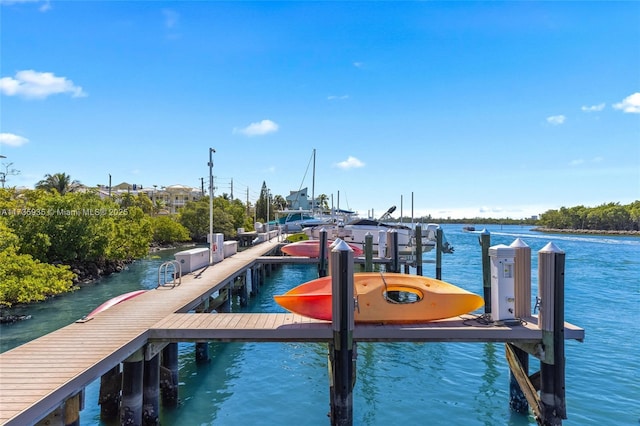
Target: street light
x=211 y=151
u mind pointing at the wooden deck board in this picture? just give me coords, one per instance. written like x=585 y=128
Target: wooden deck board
x=286 y=327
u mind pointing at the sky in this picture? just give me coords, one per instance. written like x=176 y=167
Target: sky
x=449 y=109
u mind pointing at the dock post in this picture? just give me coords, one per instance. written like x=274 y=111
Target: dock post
x=72 y=408
x=551 y=261
x=368 y=252
x=439 y=239
x=132 y=376
x=169 y=375
x=322 y=261
x=151 y=391
x=109 y=397
x=202 y=348
x=485 y=242
x=341 y=350
x=202 y=352
x=394 y=250
x=246 y=290
x=418 y=249
x=382 y=243
x=522 y=309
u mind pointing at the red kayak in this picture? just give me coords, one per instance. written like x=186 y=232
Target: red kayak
x=112 y=302
x=311 y=248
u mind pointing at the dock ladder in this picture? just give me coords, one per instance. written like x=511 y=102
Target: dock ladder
x=171 y=269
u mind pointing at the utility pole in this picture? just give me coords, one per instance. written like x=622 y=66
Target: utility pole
x=211 y=151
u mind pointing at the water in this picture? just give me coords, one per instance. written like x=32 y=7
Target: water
x=410 y=383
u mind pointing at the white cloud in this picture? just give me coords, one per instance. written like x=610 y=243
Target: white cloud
x=350 y=163
x=630 y=104
x=12 y=140
x=358 y=64
x=337 y=98
x=580 y=161
x=32 y=84
x=256 y=129
x=556 y=119
x=171 y=18
x=46 y=5
x=593 y=108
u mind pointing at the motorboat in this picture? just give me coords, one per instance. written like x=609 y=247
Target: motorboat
x=356 y=230
x=311 y=248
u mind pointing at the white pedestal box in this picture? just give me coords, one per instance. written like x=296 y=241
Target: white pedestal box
x=502 y=282
x=192 y=259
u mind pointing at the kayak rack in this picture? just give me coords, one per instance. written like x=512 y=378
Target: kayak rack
x=171 y=269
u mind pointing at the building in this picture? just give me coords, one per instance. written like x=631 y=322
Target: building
x=297 y=200
x=171 y=197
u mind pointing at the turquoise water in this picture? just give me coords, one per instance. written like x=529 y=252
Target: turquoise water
x=409 y=383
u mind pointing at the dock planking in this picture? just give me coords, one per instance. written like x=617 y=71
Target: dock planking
x=283 y=327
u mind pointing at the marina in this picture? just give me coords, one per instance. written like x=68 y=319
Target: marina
x=411 y=333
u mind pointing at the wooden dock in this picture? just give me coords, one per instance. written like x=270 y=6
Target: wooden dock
x=260 y=327
x=38 y=377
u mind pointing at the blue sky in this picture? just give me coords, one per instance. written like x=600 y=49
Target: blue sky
x=488 y=109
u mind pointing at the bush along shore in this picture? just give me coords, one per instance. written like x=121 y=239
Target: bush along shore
x=585 y=231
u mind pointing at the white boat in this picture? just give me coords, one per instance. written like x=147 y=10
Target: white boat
x=291 y=221
x=356 y=230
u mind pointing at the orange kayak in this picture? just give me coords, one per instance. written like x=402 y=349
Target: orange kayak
x=385 y=298
x=311 y=248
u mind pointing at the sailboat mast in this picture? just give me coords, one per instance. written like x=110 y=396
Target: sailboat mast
x=313 y=185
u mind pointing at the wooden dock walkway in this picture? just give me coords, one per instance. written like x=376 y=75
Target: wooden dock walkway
x=281 y=327
x=37 y=377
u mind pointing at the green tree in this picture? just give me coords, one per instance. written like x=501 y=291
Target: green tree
x=263 y=205
x=167 y=230
x=130 y=234
x=59 y=182
x=195 y=217
x=323 y=201
x=24 y=279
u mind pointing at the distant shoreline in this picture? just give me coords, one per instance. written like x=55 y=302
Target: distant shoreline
x=586 y=231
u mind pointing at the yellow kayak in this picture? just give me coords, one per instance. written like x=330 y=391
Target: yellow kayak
x=385 y=298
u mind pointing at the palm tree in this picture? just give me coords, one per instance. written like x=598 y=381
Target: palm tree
x=323 y=200
x=59 y=182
